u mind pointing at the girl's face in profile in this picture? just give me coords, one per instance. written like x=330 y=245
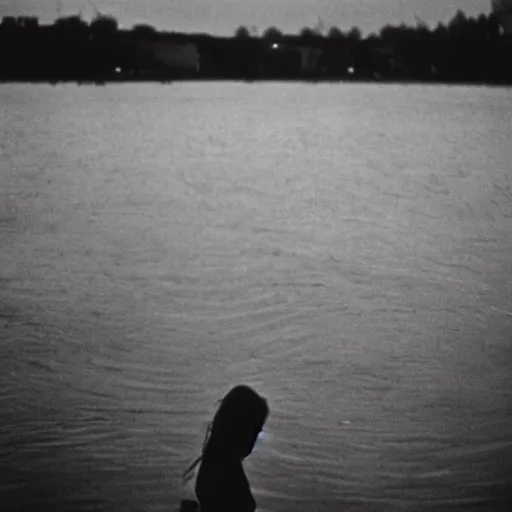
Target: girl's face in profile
x=260 y=437
x=255 y=436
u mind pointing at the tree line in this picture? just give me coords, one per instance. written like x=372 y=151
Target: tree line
x=466 y=49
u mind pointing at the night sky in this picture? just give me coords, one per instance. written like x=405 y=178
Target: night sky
x=224 y=16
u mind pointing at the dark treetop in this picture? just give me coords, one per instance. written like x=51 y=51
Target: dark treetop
x=466 y=50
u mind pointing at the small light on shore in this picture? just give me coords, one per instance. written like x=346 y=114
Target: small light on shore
x=350 y=70
x=275 y=46
x=118 y=70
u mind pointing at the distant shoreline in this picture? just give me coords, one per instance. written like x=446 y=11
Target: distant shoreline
x=101 y=83
x=466 y=51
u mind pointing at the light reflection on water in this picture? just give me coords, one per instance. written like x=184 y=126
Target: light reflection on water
x=346 y=250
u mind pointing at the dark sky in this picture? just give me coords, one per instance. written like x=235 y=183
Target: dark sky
x=223 y=16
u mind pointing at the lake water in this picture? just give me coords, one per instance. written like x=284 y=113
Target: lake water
x=345 y=249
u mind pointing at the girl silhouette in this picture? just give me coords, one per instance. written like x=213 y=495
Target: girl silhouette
x=221 y=484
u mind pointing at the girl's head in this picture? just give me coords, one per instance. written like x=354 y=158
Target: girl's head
x=234 y=428
x=237 y=423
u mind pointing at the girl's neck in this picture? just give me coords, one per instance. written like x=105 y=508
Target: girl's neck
x=221 y=455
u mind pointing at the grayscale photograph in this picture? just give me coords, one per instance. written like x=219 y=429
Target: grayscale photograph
x=256 y=255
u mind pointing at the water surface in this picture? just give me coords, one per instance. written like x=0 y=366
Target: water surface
x=345 y=249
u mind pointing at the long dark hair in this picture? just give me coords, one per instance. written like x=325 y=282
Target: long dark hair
x=235 y=426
